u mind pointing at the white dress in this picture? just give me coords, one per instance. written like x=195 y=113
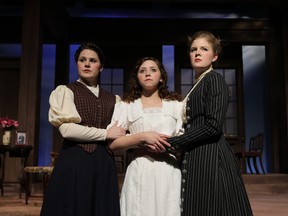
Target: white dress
x=151 y=187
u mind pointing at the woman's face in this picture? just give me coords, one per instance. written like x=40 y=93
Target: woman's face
x=89 y=66
x=201 y=54
x=149 y=75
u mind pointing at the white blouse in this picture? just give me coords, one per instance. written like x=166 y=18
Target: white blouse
x=64 y=115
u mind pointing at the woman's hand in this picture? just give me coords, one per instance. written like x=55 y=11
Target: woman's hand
x=115 y=132
x=154 y=141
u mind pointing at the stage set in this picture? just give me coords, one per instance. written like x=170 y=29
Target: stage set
x=268 y=194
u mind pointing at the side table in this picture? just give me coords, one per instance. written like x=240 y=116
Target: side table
x=22 y=151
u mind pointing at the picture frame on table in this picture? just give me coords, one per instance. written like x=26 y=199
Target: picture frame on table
x=21 y=138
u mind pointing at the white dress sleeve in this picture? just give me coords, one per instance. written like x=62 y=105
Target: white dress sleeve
x=64 y=115
x=120 y=114
x=179 y=124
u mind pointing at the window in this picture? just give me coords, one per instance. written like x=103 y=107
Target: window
x=112 y=80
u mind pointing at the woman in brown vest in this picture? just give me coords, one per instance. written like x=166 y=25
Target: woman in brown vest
x=84 y=180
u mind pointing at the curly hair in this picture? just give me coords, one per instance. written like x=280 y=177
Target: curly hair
x=135 y=89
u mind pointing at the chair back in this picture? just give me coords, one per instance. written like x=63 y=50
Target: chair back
x=54 y=156
x=256 y=143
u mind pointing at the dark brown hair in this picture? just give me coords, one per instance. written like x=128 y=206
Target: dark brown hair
x=135 y=89
x=90 y=46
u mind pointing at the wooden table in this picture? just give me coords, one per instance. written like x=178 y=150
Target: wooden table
x=21 y=151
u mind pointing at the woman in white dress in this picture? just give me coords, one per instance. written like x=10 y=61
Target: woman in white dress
x=149 y=112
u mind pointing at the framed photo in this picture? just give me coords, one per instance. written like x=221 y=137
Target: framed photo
x=21 y=138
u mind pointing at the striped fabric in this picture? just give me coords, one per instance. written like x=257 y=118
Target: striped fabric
x=212 y=184
x=99 y=113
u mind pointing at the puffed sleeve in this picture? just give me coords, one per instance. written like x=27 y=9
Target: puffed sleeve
x=64 y=115
x=118 y=98
x=62 y=107
x=179 y=125
x=120 y=114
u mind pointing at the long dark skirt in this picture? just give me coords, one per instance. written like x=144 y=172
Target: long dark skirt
x=82 y=184
x=212 y=183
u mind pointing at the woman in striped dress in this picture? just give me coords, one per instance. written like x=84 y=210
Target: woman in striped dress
x=212 y=184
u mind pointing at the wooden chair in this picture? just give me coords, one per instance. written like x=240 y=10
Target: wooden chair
x=237 y=144
x=45 y=171
x=254 y=152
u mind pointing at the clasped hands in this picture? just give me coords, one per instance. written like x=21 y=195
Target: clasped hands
x=154 y=142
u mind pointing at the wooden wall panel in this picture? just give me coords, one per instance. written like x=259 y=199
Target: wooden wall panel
x=9 y=95
x=9 y=87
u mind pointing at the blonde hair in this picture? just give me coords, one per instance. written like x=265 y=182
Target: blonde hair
x=211 y=38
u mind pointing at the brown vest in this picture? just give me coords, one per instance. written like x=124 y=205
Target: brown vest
x=94 y=111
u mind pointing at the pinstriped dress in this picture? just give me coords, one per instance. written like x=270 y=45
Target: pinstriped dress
x=212 y=184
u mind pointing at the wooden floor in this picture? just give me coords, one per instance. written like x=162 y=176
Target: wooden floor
x=269 y=204
x=268 y=196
